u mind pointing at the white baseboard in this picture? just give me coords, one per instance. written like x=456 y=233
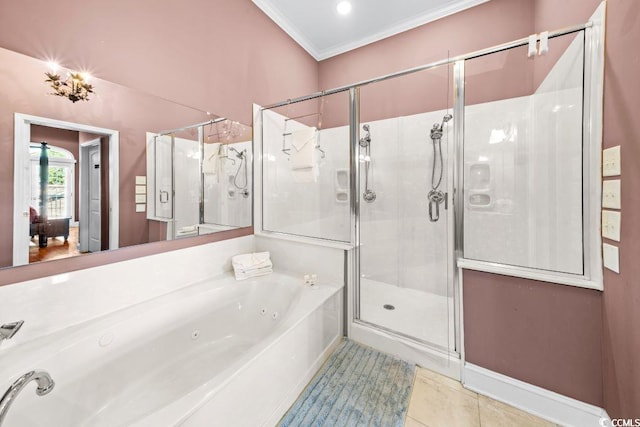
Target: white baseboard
x=543 y=403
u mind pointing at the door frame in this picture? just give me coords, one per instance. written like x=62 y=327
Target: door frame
x=84 y=189
x=22 y=177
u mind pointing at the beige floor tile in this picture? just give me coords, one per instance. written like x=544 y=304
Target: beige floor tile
x=497 y=414
x=410 y=422
x=441 y=379
x=437 y=404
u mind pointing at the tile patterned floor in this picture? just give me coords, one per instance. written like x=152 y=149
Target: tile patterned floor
x=438 y=401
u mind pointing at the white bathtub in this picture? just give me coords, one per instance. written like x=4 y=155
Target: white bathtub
x=218 y=352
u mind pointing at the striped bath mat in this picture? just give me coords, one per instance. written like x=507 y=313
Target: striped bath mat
x=357 y=386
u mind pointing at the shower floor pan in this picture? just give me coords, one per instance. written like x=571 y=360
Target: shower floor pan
x=422 y=315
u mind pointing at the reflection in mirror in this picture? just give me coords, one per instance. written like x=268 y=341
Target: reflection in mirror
x=199 y=179
x=62 y=180
x=95 y=193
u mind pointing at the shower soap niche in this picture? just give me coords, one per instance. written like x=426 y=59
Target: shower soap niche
x=342 y=179
x=479 y=176
x=480 y=201
x=342 y=196
x=341 y=183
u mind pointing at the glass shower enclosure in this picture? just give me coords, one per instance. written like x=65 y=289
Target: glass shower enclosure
x=484 y=161
x=405 y=210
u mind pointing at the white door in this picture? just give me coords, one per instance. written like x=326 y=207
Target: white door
x=95 y=223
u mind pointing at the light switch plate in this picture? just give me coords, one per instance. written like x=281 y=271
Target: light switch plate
x=141 y=198
x=141 y=180
x=611 y=225
x=141 y=189
x=611 y=161
x=611 y=194
x=141 y=208
x=611 y=257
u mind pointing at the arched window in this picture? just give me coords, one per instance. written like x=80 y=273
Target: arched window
x=60 y=185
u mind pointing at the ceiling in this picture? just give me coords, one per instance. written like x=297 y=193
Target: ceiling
x=321 y=31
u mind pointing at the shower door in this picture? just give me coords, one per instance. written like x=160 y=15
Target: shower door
x=405 y=241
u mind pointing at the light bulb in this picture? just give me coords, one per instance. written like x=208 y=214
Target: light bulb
x=344 y=7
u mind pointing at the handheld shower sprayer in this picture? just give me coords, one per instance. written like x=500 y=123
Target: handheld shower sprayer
x=436 y=196
x=365 y=142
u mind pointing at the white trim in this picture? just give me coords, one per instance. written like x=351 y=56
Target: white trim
x=321 y=54
x=532 y=399
x=302 y=239
x=529 y=273
x=445 y=364
x=594 y=78
x=257 y=167
x=21 y=190
x=21 y=178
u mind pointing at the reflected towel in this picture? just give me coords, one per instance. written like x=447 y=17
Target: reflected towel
x=306 y=175
x=211 y=161
x=303 y=148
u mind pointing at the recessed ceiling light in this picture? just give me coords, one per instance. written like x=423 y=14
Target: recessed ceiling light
x=344 y=7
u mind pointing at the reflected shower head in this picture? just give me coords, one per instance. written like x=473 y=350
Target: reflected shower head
x=445 y=119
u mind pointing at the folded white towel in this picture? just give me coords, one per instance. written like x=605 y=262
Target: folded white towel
x=303 y=148
x=251 y=261
x=211 y=160
x=256 y=264
x=261 y=272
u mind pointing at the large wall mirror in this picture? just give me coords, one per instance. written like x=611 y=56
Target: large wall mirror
x=119 y=169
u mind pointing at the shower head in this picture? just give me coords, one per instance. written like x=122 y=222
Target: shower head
x=366 y=140
x=445 y=119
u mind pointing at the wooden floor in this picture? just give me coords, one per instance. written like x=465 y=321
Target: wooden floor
x=56 y=248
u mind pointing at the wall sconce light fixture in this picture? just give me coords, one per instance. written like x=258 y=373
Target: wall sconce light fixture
x=75 y=87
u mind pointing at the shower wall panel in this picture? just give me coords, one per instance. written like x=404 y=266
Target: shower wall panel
x=523 y=173
x=186 y=184
x=399 y=245
x=223 y=202
x=306 y=203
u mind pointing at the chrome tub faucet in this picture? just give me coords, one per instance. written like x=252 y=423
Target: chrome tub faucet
x=42 y=379
x=8 y=330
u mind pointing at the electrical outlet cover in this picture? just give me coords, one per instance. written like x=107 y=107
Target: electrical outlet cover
x=611 y=257
x=611 y=161
x=611 y=194
x=611 y=225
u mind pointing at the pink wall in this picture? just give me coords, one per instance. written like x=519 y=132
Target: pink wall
x=541 y=333
x=214 y=55
x=621 y=340
x=219 y=56
x=489 y=24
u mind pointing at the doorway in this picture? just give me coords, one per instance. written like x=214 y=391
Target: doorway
x=106 y=189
